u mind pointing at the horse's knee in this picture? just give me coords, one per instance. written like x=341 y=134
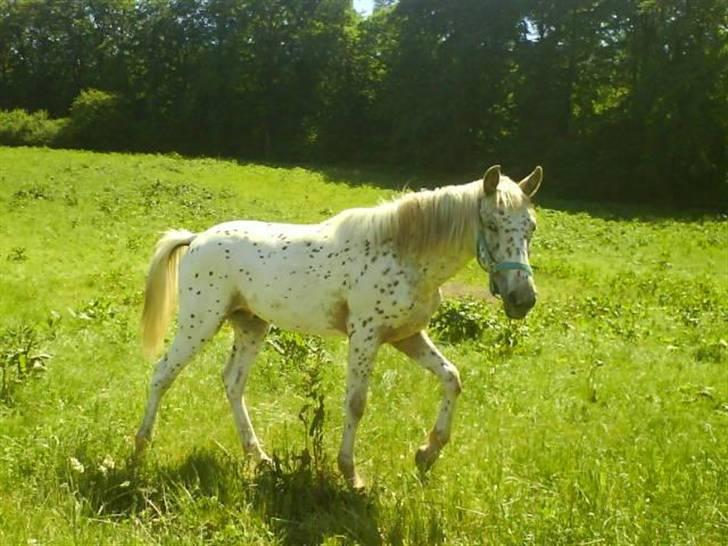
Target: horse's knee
x=452 y=381
x=357 y=403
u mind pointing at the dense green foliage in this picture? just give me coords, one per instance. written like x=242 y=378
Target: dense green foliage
x=19 y=128
x=600 y=419
x=619 y=99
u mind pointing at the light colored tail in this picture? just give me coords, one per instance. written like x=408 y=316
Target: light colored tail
x=160 y=295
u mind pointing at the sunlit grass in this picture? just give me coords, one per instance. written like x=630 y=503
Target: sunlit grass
x=602 y=418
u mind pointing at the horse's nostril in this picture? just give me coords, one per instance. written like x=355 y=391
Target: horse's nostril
x=521 y=300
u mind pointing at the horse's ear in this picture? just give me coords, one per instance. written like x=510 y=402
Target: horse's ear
x=491 y=179
x=532 y=182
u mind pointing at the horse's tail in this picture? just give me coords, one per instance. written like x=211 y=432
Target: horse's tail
x=160 y=295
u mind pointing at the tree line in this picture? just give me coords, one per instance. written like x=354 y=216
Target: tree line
x=618 y=99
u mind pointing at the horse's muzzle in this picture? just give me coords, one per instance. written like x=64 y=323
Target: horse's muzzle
x=518 y=303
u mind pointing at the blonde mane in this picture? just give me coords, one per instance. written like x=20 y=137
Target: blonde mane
x=430 y=221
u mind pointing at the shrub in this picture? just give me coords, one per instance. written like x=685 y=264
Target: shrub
x=21 y=128
x=460 y=319
x=98 y=122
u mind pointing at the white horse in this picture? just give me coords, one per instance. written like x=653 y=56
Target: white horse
x=371 y=274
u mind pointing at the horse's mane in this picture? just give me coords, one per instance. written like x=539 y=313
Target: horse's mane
x=427 y=221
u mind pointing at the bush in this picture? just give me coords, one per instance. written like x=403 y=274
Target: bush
x=459 y=320
x=97 y=122
x=21 y=128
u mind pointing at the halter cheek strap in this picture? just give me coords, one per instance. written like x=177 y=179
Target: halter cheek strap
x=488 y=263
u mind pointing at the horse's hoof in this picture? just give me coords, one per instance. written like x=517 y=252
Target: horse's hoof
x=425 y=457
x=350 y=474
x=356 y=483
x=264 y=462
x=140 y=446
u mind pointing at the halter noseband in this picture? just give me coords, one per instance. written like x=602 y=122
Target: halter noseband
x=488 y=263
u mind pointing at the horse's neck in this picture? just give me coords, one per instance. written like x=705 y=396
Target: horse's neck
x=437 y=268
x=451 y=257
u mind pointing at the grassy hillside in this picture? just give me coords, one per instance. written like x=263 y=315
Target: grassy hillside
x=602 y=418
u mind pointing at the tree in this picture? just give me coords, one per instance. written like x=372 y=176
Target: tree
x=620 y=99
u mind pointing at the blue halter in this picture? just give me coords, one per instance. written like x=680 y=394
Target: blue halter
x=490 y=266
x=488 y=263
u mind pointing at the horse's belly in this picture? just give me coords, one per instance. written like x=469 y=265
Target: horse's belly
x=305 y=312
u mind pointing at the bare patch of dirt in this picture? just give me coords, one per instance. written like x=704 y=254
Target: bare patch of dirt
x=461 y=290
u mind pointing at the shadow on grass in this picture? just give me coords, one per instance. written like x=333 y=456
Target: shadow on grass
x=299 y=502
x=551 y=196
x=307 y=504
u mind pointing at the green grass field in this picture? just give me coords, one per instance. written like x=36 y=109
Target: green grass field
x=600 y=419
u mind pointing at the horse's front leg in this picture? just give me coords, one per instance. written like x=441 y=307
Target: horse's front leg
x=362 y=351
x=420 y=348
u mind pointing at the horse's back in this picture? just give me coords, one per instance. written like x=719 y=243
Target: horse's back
x=283 y=273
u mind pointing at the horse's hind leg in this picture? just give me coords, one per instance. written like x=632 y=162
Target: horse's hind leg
x=249 y=334
x=419 y=348
x=193 y=331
